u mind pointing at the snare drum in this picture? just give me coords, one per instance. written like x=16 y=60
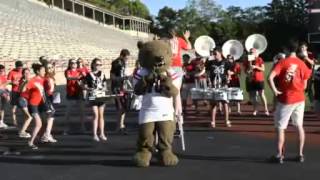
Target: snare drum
x=208 y=94
x=235 y=94
x=96 y=94
x=196 y=93
x=220 y=95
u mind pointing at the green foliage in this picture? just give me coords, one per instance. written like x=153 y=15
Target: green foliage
x=124 y=7
x=279 y=21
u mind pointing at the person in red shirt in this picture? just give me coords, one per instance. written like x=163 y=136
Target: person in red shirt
x=276 y=59
x=309 y=60
x=23 y=103
x=177 y=45
x=255 y=80
x=292 y=76
x=36 y=96
x=14 y=77
x=234 y=79
x=4 y=95
x=49 y=87
x=74 y=78
x=188 y=80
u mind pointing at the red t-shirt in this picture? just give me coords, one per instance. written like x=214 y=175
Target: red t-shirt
x=14 y=77
x=257 y=76
x=177 y=44
x=3 y=80
x=24 y=94
x=198 y=66
x=73 y=87
x=235 y=77
x=47 y=86
x=35 y=94
x=83 y=71
x=291 y=73
x=188 y=68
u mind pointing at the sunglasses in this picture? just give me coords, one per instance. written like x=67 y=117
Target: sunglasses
x=98 y=64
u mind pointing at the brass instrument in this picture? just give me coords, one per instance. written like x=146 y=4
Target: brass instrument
x=203 y=45
x=258 y=42
x=233 y=48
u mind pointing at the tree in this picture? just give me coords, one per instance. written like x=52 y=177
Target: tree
x=206 y=9
x=285 y=19
x=124 y=7
x=166 y=19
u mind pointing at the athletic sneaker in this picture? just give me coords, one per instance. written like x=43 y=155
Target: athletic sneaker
x=96 y=138
x=277 y=159
x=103 y=137
x=3 y=125
x=300 y=159
x=228 y=124
x=32 y=146
x=24 y=135
x=48 y=139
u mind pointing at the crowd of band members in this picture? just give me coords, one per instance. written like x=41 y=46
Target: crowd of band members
x=200 y=73
x=34 y=94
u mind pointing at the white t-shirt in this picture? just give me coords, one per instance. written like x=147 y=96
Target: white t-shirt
x=155 y=107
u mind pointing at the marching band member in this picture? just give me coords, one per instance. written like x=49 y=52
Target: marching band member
x=14 y=77
x=178 y=44
x=276 y=60
x=218 y=71
x=119 y=75
x=97 y=81
x=234 y=77
x=292 y=75
x=4 y=95
x=82 y=67
x=49 y=86
x=73 y=91
x=188 y=80
x=36 y=97
x=23 y=103
x=316 y=88
x=255 y=73
x=200 y=76
x=309 y=60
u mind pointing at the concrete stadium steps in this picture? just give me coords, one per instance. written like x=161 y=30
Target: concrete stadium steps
x=29 y=30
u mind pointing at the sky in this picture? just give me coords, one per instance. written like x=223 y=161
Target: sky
x=155 y=5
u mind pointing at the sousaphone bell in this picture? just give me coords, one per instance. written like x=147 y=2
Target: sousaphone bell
x=203 y=45
x=233 y=48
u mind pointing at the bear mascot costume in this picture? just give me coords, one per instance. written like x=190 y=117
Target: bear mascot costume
x=154 y=81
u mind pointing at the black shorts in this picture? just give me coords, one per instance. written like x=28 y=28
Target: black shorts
x=22 y=102
x=255 y=86
x=234 y=84
x=76 y=97
x=15 y=98
x=96 y=103
x=37 y=109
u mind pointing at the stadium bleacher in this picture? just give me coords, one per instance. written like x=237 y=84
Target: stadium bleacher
x=30 y=29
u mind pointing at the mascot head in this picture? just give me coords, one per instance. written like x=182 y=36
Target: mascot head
x=155 y=55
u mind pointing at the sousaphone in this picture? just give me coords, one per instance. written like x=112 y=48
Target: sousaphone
x=233 y=48
x=203 y=45
x=257 y=41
